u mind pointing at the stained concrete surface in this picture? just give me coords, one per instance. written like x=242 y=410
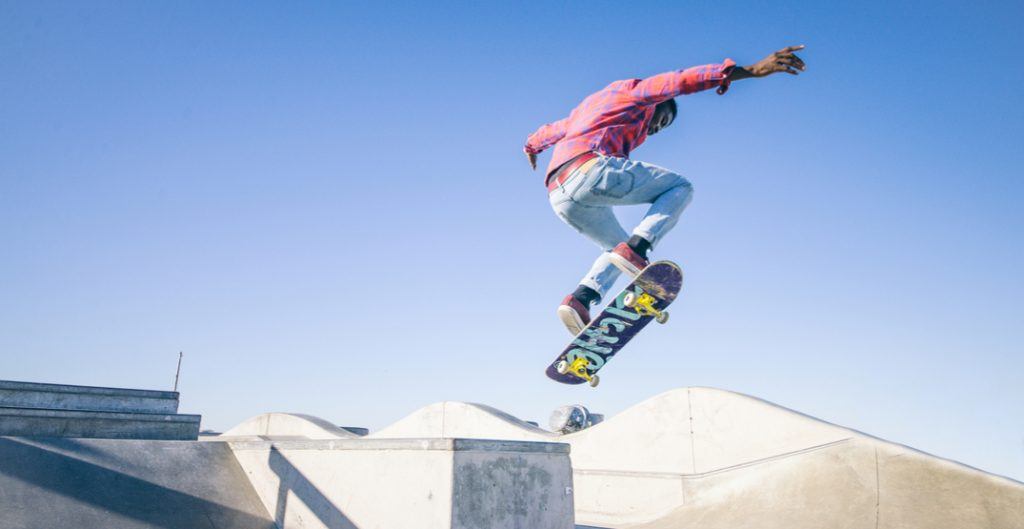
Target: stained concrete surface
x=93 y=484
x=405 y=483
x=27 y=422
x=39 y=395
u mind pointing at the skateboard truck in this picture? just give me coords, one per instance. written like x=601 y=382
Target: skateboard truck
x=577 y=368
x=644 y=306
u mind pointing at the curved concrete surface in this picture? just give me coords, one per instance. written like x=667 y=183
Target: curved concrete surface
x=271 y=426
x=716 y=459
x=451 y=419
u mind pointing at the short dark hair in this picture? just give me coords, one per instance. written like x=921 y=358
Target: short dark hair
x=671 y=105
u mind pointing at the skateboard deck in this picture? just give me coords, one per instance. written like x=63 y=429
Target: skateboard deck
x=642 y=301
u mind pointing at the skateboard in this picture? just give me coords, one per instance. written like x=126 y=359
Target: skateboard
x=643 y=300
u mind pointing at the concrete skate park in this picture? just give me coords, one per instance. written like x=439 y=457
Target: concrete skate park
x=691 y=457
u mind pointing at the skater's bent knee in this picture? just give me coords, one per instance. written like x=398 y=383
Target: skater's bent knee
x=689 y=189
x=683 y=190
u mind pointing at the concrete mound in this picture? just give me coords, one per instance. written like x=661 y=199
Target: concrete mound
x=270 y=426
x=453 y=419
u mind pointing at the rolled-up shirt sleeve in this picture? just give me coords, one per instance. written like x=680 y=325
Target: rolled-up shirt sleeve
x=545 y=136
x=665 y=86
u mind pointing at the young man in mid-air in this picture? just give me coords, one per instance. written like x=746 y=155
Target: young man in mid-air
x=590 y=170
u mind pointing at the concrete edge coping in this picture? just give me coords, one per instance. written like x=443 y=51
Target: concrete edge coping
x=43 y=387
x=445 y=444
x=6 y=411
x=60 y=443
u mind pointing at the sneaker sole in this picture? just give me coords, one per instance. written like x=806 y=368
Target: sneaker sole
x=623 y=264
x=570 y=319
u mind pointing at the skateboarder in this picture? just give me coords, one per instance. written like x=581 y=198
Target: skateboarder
x=590 y=170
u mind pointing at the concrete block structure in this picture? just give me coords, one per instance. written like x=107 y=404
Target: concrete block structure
x=401 y=483
x=33 y=409
x=39 y=395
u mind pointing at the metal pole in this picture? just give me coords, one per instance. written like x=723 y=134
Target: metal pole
x=178 y=373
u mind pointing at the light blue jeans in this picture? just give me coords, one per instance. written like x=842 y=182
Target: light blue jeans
x=584 y=201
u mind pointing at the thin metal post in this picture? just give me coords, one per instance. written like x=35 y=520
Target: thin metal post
x=178 y=373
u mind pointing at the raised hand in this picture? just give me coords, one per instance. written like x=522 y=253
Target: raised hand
x=783 y=60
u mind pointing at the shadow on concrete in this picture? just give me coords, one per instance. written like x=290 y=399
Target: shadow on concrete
x=294 y=482
x=78 y=447
x=47 y=483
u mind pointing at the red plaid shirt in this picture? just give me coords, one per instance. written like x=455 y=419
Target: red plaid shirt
x=614 y=121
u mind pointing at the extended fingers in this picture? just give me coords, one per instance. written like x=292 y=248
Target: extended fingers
x=782 y=67
x=792 y=61
x=787 y=52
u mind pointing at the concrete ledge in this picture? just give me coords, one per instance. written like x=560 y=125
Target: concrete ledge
x=14 y=394
x=21 y=422
x=445 y=444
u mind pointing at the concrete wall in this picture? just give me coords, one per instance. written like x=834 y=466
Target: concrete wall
x=33 y=409
x=405 y=483
x=26 y=422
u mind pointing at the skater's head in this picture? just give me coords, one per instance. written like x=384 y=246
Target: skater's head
x=664 y=115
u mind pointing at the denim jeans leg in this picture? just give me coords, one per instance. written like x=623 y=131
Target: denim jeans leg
x=597 y=223
x=664 y=213
x=625 y=182
x=602 y=275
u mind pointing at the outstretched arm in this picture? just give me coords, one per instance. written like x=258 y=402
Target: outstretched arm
x=665 y=86
x=783 y=60
x=543 y=138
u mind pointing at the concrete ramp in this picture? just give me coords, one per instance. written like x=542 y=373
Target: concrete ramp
x=854 y=484
x=126 y=484
x=683 y=431
x=708 y=458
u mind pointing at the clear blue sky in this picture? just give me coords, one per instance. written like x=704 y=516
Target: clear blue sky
x=327 y=209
